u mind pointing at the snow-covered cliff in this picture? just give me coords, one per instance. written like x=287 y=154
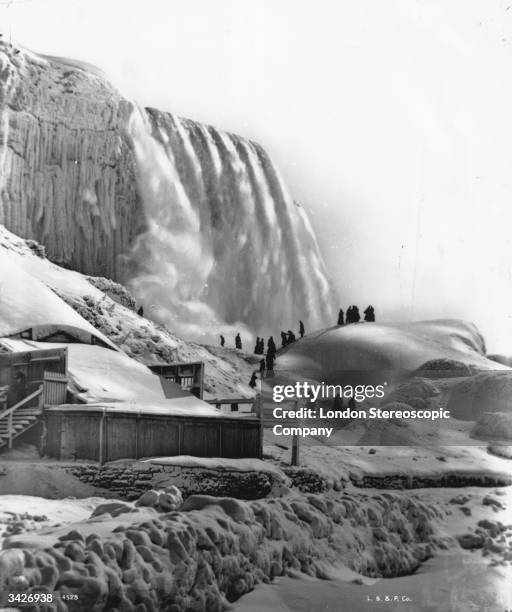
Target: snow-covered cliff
x=66 y=169
x=197 y=222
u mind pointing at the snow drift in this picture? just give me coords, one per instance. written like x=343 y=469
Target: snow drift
x=26 y=303
x=212 y=550
x=388 y=348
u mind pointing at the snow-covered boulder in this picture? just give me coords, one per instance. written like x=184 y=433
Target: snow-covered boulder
x=486 y=392
x=493 y=426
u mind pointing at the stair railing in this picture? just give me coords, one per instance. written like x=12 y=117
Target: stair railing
x=8 y=414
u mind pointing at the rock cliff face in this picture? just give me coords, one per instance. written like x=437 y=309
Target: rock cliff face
x=197 y=222
x=66 y=168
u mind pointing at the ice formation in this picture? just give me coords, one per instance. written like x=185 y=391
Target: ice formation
x=196 y=221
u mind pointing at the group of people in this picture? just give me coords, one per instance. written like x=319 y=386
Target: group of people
x=259 y=348
x=267 y=362
x=353 y=315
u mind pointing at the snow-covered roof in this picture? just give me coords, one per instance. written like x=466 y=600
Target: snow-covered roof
x=183 y=406
x=28 y=303
x=101 y=375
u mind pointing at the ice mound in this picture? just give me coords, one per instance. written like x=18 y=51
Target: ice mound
x=416 y=393
x=444 y=368
x=392 y=432
x=486 y=392
x=493 y=426
x=391 y=348
x=213 y=550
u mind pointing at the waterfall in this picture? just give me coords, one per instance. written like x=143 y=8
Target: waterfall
x=226 y=248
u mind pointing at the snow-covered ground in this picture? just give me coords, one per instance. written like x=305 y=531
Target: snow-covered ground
x=455 y=582
x=361 y=519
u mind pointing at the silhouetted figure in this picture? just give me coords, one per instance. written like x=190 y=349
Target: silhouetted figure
x=257 y=346
x=350 y=314
x=291 y=337
x=270 y=361
x=20 y=388
x=271 y=352
x=254 y=380
x=340 y=317
x=302 y=331
x=262 y=366
x=284 y=339
x=222 y=340
x=355 y=314
x=369 y=314
x=271 y=346
x=140 y=312
x=352 y=403
x=238 y=341
x=337 y=403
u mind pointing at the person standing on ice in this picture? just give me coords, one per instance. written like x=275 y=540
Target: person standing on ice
x=302 y=331
x=262 y=367
x=257 y=346
x=291 y=337
x=270 y=361
x=271 y=346
x=369 y=314
x=284 y=339
x=140 y=312
x=340 y=317
x=356 y=317
x=222 y=340
x=254 y=380
x=238 y=341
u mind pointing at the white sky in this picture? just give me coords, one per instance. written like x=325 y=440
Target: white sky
x=390 y=120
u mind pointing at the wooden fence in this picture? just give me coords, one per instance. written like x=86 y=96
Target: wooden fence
x=99 y=434
x=55 y=388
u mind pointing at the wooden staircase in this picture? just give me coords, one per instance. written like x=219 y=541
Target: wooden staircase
x=19 y=418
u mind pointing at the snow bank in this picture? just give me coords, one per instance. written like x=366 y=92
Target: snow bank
x=329 y=354
x=493 y=426
x=416 y=392
x=27 y=303
x=22 y=513
x=486 y=392
x=216 y=549
x=41 y=480
x=216 y=463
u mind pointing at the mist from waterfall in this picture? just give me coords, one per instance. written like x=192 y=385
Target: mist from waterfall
x=226 y=249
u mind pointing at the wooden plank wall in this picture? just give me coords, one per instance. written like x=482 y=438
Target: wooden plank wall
x=33 y=365
x=76 y=435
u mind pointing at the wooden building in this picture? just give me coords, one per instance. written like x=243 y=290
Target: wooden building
x=29 y=381
x=166 y=416
x=189 y=375
x=24 y=372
